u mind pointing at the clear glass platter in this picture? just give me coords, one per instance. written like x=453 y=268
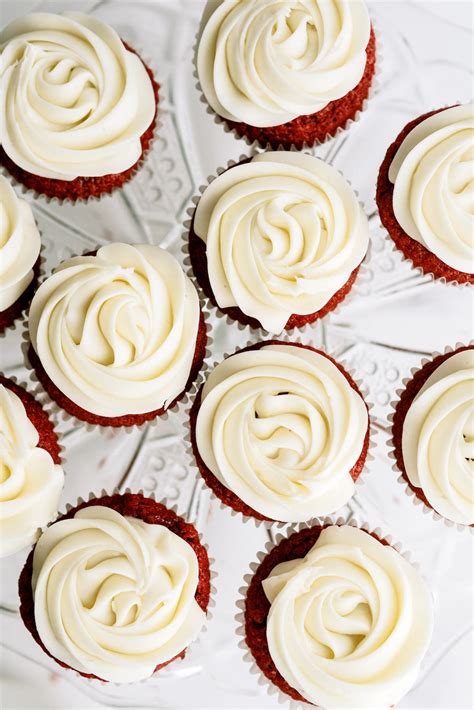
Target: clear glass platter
x=395 y=318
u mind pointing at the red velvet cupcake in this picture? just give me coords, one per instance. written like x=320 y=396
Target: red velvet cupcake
x=142 y=560
x=100 y=96
x=270 y=448
x=432 y=437
x=293 y=615
x=32 y=477
x=276 y=241
x=278 y=91
x=20 y=260
x=116 y=338
x=421 y=194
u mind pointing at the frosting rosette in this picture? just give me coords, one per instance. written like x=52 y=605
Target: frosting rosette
x=282 y=427
x=266 y=63
x=75 y=101
x=283 y=233
x=438 y=438
x=350 y=623
x=432 y=174
x=30 y=481
x=116 y=331
x=113 y=595
x=20 y=245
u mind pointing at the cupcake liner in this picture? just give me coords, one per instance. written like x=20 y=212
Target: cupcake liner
x=355 y=290
x=262 y=680
x=32 y=195
x=39 y=278
x=255 y=144
x=394 y=249
x=61 y=415
x=401 y=479
x=272 y=524
x=97 y=682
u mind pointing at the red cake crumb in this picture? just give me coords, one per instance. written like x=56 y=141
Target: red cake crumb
x=10 y=314
x=257 y=605
x=38 y=417
x=413 y=250
x=315 y=127
x=218 y=488
x=137 y=506
x=197 y=253
x=404 y=404
x=84 y=187
x=128 y=419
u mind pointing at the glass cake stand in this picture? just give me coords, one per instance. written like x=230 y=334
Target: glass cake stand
x=394 y=318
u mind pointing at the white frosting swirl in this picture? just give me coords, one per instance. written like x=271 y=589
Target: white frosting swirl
x=433 y=177
x=30 y=481
x=350 y=623
x=283 y=234
x=75 y=101
x=116 y=332
x=438 y=438
x=282 y=428
x=265 y=63
x=114 y=596
x=20 y=245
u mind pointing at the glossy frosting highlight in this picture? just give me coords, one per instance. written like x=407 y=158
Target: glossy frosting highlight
x=20 y=245
x=116 y=332
x=283 y=234
x=113 y=595
x=75 y=100
x=266 y=63
x=438 y=438
x=350 y=623
x=433 y=177
x=30 y=481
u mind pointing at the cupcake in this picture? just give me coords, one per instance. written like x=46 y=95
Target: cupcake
x=117 y=337
x=298 y=73
x=280 y=432
x=117 y=588
x=336 y=617
x=20 y=260
x=277 y=240
x=31 y=477
x=433 y=435
x=424 y=193
x=79 y=109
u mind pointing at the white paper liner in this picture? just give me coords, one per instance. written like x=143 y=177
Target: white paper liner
x=354 y=292
x=255 y=144
x=287 y=338
x=36 y=394
x=261 y=678
x=409 y=492
x=212 y=576
x=420 y=271
x=31 y=194
x=41 y=274
x=61 y=415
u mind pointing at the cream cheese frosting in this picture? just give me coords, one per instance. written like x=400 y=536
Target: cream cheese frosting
x=438 y=438
x=433 y=177
x=116 y=332
x=283 y=234
x=20 y=245
x=350 y=623
x=265 y=63
x=75 y=101
x=281 y=427
x=113 y=595
x=30 y=481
